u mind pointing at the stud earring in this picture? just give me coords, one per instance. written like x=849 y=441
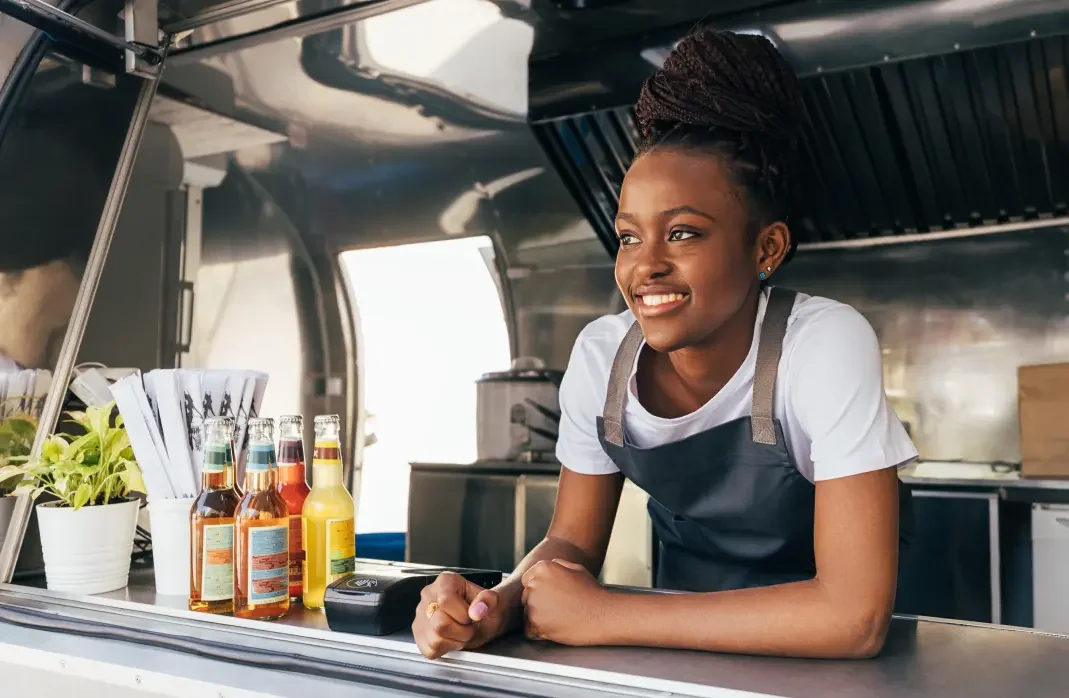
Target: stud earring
x=763 y=275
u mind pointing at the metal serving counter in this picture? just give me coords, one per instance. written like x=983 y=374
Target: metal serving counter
x=299 y=656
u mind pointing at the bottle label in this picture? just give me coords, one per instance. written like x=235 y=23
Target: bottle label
x=217 y=576
x=304 y=560
x=296 y=549
x=261 y=457
x=216 y=458
x=341 y=548
x=268 y=564
x=327 y=453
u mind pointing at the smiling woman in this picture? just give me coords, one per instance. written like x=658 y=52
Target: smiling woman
x=753 y=416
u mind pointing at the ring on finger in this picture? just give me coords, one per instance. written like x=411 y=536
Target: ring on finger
x=432 y=608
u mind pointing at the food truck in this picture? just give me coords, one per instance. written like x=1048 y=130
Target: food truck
x=401 y=213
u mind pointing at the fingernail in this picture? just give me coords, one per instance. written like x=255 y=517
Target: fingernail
x=479 y=609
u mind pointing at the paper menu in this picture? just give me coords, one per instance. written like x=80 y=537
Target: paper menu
x=193 y=409
x=166 y=413
x=169 y=402
x=148 y=446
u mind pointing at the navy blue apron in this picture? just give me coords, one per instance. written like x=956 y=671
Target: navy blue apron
x=729 y=508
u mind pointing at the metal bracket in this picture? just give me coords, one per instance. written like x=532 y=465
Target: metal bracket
x=64 y=28
x=142 y=29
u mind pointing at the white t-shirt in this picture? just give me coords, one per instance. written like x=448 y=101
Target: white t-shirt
x=829 y=396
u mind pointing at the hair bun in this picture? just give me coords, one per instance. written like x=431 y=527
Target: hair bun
x=723 y=80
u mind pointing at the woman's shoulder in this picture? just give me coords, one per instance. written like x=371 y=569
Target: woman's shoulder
x=603 y=335
x=820 y=320
x=829 y=339
x=593 y=353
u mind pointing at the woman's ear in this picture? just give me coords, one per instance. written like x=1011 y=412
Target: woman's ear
x=773 y=244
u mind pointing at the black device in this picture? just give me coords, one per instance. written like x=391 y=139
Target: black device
x=380 y=597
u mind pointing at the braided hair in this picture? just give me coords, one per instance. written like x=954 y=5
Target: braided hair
x=735 y=96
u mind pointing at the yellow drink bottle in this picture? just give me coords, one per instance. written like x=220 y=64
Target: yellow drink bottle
x=328 y=520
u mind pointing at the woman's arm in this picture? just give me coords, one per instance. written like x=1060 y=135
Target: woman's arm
x=467 y=616
x=583 y=518
x=842 y=613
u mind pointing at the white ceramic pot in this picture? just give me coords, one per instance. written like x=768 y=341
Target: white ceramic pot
x=87 y=551
x=7 y=508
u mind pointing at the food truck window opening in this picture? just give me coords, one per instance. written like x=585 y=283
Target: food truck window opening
x=431 y=322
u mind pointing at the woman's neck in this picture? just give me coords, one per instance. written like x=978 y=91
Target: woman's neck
x=681 y=381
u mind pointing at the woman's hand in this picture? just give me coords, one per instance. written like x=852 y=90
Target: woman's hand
x=564 y=603
x=462 y=616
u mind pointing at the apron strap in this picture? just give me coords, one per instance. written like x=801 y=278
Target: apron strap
x=769 y=349
x=619 y=376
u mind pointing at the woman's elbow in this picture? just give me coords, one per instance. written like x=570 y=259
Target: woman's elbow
x=865 y=633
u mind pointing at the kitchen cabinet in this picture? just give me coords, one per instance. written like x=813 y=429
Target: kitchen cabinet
x=1050 y=567
x=490 y=514
x=952 y=568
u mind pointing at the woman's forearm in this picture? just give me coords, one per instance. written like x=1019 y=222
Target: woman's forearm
x=801 y=619
x=511 y=588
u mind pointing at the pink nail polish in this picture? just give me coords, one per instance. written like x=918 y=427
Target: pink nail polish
x=479 y=610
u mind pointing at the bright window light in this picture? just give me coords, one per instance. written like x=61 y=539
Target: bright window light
x=463 y=45
x=431 y=323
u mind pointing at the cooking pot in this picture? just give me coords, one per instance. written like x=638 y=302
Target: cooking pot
x=518 y=412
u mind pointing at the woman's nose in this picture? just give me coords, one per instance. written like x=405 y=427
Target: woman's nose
x=653 y=261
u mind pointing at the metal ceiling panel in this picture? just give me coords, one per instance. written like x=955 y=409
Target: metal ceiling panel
x=969 y=138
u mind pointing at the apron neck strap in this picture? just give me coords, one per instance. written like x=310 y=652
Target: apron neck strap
x=619 y=377
x=769 y=350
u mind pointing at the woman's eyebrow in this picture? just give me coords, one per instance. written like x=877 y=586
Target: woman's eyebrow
x=667 y=213
x=686 y=209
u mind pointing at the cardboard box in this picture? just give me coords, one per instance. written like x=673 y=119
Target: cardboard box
x=1043 y=403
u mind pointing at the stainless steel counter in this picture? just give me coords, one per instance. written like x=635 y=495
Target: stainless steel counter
x=922 y=657
x=975 y=476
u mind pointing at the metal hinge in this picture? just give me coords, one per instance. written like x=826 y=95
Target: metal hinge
x=142 y=21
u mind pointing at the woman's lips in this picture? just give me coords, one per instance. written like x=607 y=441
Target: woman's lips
x=657 y=304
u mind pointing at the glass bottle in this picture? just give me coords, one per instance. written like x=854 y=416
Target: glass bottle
x=328 y=518
x=211 y=523
x=261 y=581
x=293 y=486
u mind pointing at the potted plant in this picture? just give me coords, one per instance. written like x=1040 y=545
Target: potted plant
x=87 y=535
x=16 y=441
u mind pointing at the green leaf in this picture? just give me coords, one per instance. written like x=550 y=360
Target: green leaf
x=85 y=470
x=77 y=449
x=116 y=443
x=98 y=418
x=53 y=448
x=81 y=496
x=131 y=477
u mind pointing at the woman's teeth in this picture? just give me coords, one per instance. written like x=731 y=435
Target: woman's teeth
x=663 y=298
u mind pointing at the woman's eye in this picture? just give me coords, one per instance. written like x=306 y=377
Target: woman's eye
x=677 y=235
x=627 y=239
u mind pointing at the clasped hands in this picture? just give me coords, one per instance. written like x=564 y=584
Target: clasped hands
x=558 y=600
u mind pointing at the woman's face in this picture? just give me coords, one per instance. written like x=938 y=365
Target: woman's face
x=687 y=262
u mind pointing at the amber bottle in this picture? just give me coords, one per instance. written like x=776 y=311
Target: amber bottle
x=211 y=523
x=261 y=579
x=293 y=486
